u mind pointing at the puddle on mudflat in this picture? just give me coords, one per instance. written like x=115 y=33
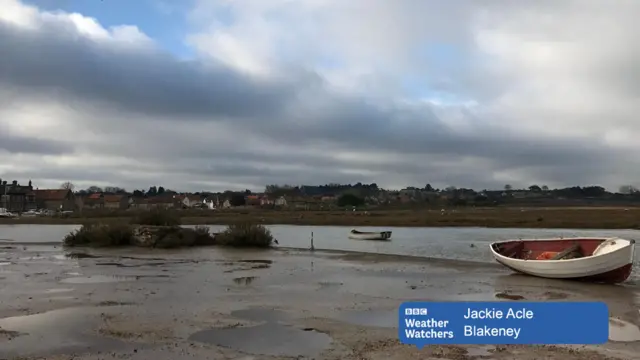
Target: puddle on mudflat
x=267 y=339
x=373 y=318
x=37 y=257
x=61 y=298
x=56 y=291
x=245 y=280
x=260 y=314
x=620 y=330
x=55 y=332
x=5 y=263
x=479 y=351
x=97 y=279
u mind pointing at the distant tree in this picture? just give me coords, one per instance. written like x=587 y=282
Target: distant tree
x=161 y=190
x=138 y=193
x=153 y=191
x=508 y=187
x=535 y=188
x=247 y=192
x=428 y=187
x=67 y=186
x=350 y=200
x=594 y=191
x=114 y=190
x=94 y=189
x=545 y=188
x=628 y=189
x=237 y=200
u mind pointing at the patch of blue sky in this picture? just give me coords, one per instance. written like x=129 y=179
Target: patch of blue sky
x=163 y=21
x=437 y=60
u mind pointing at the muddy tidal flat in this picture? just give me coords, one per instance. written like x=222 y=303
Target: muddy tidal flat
x=277 y=304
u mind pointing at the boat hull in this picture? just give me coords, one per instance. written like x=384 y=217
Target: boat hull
x=613 y=265
x=380 y=236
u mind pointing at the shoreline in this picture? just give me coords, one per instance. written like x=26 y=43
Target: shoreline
x=549 y=218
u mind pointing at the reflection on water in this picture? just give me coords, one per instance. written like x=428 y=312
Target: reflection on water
x=437 y=242
x=620 y=330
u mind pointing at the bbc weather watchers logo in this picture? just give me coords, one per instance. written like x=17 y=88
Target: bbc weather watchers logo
x=415 y=311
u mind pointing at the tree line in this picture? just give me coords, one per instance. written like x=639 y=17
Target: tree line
x=361 y=190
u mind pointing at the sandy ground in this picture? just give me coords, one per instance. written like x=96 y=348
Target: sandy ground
x=221 y=304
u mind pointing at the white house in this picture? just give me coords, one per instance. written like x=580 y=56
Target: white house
x=281 y=201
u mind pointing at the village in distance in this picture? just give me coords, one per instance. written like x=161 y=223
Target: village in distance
x=20 y=198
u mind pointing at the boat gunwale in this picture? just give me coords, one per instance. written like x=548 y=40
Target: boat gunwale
x=631 y=243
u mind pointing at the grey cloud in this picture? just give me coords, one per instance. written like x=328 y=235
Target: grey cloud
x=147 y=81
x=296 y=110
x=27 y=145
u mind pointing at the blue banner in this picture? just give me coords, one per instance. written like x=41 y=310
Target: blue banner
x=502 y=323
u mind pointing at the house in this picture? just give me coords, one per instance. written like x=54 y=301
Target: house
x=266 y=201
x=55 y=199
x=226 y=204
x=329 y=199
x=188 y=200
x=251 y=200
x=281 y=201
x=138 y=203
x=164 y=202
x=115 y=202
x=93 y=201
x=15 y=197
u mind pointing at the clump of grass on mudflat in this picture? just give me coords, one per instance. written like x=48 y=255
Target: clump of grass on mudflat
x=157 y=217
x=100 y=235
x=245 y=234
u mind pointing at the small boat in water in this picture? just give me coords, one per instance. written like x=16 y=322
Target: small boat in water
x=364 y=235
x=606 y=260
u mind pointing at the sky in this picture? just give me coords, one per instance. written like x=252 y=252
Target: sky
x=210 y=95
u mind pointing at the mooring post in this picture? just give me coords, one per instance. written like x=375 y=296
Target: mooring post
x=312 y=248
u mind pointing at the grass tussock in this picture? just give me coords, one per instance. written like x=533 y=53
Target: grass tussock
x=157 y=217
x=100 y=235
x=245 y=234
x=112 y=235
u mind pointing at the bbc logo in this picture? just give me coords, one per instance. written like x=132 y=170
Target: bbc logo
x=415 y=311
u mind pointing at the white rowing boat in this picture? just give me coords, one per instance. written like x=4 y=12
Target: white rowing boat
x=372 y=235
x=608 y=260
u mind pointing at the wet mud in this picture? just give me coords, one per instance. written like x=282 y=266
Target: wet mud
x=168 y=305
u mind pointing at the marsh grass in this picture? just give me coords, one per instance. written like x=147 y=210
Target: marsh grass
x=245 y=234
x=100 y=235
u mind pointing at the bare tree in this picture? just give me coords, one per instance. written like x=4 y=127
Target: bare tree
x=67 y=186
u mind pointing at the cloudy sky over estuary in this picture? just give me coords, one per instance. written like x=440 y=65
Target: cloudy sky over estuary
x=233 y=94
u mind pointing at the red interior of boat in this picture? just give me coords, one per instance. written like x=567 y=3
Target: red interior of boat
x=544 y=249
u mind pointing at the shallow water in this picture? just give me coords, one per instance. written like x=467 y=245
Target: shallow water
x=436 y=242
x=267 y=339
